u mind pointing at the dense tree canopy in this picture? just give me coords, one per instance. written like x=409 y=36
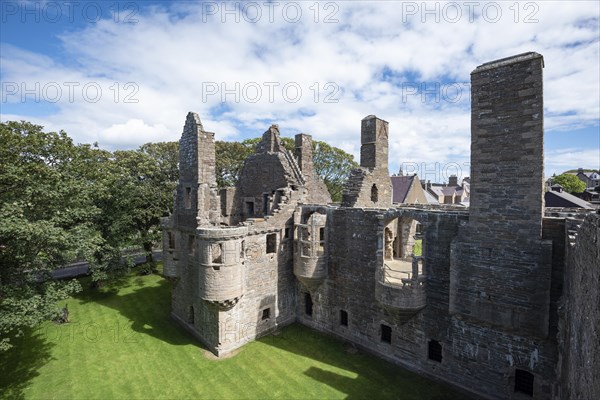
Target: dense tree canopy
x=61 y=202
x=46 y=219
x=570 y=182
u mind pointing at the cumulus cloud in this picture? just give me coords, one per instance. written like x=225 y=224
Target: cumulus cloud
x=317 y=72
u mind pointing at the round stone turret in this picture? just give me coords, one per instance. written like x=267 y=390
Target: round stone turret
x=221 y=274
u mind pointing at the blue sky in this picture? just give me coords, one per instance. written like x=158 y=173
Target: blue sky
x=125 y=73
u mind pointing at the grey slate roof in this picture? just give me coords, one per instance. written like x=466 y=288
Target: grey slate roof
x=564 y=199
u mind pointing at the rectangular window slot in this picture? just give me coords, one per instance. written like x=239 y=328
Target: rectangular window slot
x=386 y=333
x=524 y=382
x=434 y=351
x=266 y=314
x=192 y=244
x=250 y=208
x=271 y=243
x=217 y=253
x=188 y=198
x=343 y=318
x=308 y=304
x=171 y=240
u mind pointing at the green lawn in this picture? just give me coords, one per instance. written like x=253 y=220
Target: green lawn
x=121 y=344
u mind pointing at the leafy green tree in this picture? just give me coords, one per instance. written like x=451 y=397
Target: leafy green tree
x=570 y=182
x=46 y=220
x=140 y=191
x=230 y=157
x=332 y=164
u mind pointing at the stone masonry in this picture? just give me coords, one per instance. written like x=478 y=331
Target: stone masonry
x=502 y=302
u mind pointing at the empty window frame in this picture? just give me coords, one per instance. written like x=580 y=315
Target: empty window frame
x=216 y=250
x=386 y=333
x=266 y=314
x=343 y=318
x=524 y=382
x=250 y=208
x=271 y=243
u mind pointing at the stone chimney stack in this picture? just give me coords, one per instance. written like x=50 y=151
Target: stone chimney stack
x=374 y=143
x=304 y=153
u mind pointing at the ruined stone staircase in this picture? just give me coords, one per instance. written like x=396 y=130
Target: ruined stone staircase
x=295 y=168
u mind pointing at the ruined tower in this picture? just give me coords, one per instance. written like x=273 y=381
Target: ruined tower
x=496 y=278
x=196 y=202
x=370 y=185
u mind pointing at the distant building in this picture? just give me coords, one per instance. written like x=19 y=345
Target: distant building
x=408 y=190
x=452 y=193
x=557 y=197
x=591 y=195
x=591 y=179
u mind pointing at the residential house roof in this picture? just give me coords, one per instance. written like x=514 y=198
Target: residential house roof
x=555 y=198
x=408 y=190
x=400 y=187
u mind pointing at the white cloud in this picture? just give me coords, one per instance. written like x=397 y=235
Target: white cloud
x=173 y=55
x=558 y=161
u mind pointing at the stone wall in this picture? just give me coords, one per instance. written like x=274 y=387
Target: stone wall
x=579 y=328
x=478 y=358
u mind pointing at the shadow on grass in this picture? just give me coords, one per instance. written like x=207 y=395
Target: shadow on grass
x=375 y=378
x=20 y=364
x=146 y=306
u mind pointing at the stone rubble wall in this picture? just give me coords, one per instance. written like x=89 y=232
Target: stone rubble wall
x=579 y=327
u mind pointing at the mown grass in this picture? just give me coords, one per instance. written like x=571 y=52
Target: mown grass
x=121 y=344
x=418 y=248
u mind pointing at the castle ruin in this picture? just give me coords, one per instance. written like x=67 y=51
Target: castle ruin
x=503 y=303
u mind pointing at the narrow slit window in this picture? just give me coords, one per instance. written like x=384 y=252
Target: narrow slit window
x=192 y=244
x=188 y=197
x=308 y=304
x=171 y=240
x=191 y=315
x=374 y=193
x=265 y=204
x=217 y=253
